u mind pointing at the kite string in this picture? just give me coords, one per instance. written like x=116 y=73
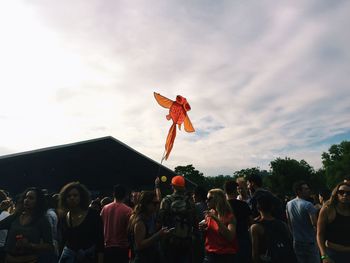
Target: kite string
x=161 y=162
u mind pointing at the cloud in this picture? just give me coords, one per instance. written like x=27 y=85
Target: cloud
x=263 y=79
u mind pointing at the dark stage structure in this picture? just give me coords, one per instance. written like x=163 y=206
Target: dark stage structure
x=99 y=164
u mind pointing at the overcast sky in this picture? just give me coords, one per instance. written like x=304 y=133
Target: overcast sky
x=265 y=79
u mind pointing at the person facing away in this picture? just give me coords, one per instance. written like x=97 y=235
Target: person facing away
x=244 y=219
x=333 y=226
x=271 y=239
x=115 y=217
x=255 y=183
x=82 y=230
x=302 y=219
x=177 y=212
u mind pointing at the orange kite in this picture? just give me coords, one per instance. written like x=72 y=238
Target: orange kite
x=178 y=113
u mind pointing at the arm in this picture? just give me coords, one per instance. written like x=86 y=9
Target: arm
x=321 y=228
x=255 y=237
x=337 y=247
x=313 y=215
x=140 y=233
x=229 y=231
x=6 y=222
x=157 y=189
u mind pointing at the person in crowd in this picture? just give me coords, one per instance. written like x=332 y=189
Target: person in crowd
x=242 y=190
x=96 y=205
x=323 y=196
x=244 y=219
x=52 y=217
x=105 y=201
x=144 y=241
x=333 y=226
x=177 y=212
x=82 y=229
x=199 y=198
x=134 y=197
x=255 y=183
x=4 y=205
x=220 y=229
x=115 y=217
x=29 y=232
x=302 y=219
x=271 y=239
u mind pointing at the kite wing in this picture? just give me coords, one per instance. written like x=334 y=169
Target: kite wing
x=163 y=101
x=188 y=125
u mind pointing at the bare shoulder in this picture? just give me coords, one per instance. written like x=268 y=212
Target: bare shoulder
x=328 y=212
x=256 y=229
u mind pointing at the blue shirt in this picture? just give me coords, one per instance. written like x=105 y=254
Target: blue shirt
x=299 y=212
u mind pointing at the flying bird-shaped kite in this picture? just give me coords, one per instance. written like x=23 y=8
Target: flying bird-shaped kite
x=178 y=113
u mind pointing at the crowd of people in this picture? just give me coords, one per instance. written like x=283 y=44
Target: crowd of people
x=243 y=222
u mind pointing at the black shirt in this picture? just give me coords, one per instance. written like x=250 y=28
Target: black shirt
x=242 y=213
x=89 y=233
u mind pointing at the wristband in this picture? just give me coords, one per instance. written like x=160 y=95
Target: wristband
x=324 y=257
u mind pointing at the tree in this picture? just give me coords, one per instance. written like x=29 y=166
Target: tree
x=217 y=181
x=190 y=173
x=336 y=163
x=193 y=175
x=285 y=172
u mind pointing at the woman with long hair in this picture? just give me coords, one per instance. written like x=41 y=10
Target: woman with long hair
x=333 y=226
x=82 y=229
x=29 y=231
x=220 y=229
x=142 y=229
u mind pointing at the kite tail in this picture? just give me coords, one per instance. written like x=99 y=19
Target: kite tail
x=170 y=141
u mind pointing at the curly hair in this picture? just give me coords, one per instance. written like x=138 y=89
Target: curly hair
x=84 y=193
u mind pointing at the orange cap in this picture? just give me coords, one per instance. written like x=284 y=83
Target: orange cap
x=178 y=180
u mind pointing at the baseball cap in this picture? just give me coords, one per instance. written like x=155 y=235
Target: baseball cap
x=178 y=180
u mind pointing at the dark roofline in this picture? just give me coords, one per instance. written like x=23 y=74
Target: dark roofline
x=8 y=156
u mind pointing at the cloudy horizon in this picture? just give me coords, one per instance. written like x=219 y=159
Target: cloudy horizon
x=264 y=79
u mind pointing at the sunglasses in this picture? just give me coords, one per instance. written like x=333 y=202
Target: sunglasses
x=342 y=192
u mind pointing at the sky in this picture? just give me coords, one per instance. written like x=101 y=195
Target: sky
x=265 y=79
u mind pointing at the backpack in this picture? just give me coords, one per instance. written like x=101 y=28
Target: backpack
x=278 y=242
x=180 y=216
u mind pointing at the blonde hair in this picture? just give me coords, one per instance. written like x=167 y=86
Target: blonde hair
x=222 y=206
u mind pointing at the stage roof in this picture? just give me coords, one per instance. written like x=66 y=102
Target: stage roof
x=99 y=164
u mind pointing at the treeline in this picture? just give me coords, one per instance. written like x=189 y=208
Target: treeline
x=285 y=171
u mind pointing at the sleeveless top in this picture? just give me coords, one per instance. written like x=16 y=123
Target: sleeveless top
x=145 y=255
x=338 y=231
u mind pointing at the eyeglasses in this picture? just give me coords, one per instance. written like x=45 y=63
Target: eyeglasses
x=342 y=192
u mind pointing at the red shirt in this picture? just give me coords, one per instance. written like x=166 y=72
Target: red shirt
x=215 y=242
x=115 y=217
